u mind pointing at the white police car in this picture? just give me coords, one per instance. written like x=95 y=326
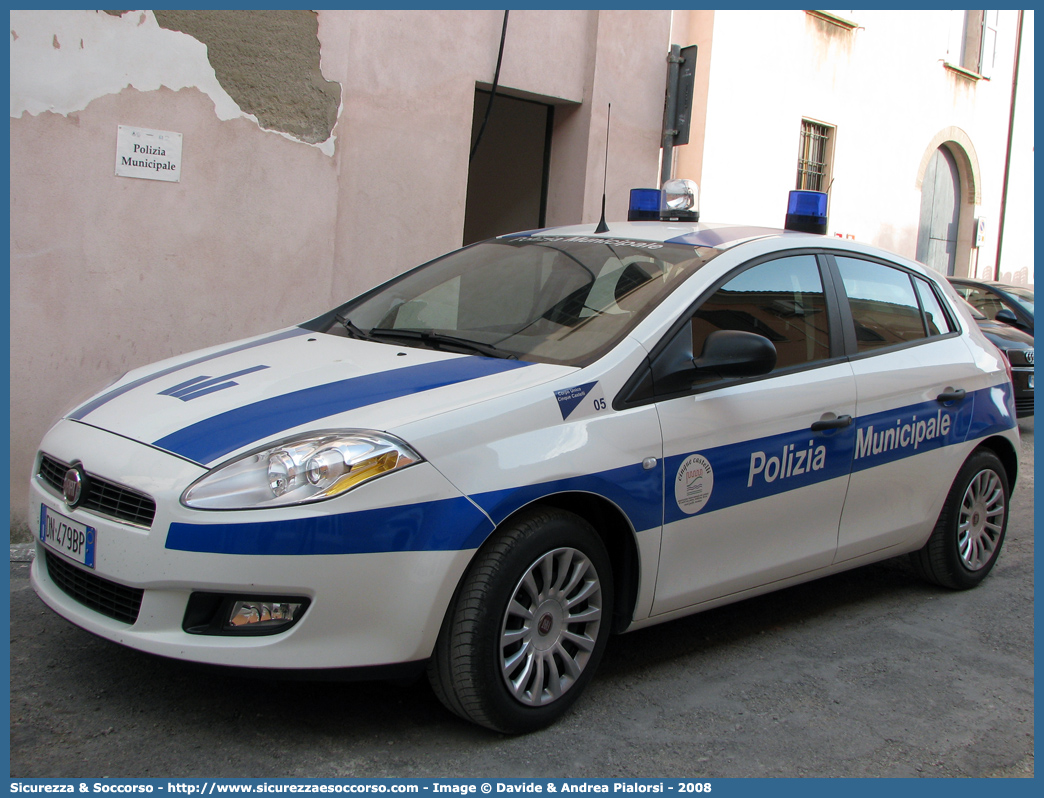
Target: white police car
x=491 y=462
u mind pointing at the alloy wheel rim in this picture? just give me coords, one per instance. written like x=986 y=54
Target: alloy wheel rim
x=981 y=520
x=550 y=627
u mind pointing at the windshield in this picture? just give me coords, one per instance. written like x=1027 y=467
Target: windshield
x=1021 y=295
x=556 y=299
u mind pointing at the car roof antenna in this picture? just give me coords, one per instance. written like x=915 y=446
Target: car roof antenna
x=602 y=226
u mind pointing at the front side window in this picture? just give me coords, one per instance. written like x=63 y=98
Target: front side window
x=781 y=300
x=989 y=303
x=885 y=306
x=555 y=299
x=986 y=302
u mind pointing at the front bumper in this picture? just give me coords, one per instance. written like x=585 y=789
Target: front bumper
x=368 y=608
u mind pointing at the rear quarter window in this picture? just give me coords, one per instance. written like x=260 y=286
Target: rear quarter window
x=889 y=306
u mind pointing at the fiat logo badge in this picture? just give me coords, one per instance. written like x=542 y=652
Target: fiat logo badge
x=72 y=486
x=545 y=624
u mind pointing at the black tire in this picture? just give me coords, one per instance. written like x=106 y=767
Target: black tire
x=968 y=536
x=489 y=663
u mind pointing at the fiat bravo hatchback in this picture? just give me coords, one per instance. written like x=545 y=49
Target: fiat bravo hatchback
x=490 y=463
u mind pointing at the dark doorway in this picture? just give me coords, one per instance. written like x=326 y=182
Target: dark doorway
x=940 y=211
x=507 y=180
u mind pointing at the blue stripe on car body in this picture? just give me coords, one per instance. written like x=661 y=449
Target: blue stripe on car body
x=456 y=524
x=718 y=236
x=212 y=438
x=446 y=525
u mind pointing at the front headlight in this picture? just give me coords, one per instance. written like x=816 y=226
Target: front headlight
x=305 y=468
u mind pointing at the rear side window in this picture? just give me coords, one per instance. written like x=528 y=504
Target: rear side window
x=887 y=306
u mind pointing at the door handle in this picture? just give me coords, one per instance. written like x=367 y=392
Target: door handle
x=951 y=395
x=831 y=423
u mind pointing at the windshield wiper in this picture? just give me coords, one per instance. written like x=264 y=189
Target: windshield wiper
x=434 y=339
x=353 y=331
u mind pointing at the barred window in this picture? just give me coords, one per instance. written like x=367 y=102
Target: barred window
x=814 y=156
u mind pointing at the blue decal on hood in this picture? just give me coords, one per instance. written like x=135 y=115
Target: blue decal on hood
x=207 y=440
x=201 y=386
x=107 y=397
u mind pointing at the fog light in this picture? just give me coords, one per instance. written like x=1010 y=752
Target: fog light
x=262 y=614
x=236 y=615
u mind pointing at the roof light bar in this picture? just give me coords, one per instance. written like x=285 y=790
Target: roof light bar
x=677 y=201
x=681 y=201
x=644 y=205
x=807 y=212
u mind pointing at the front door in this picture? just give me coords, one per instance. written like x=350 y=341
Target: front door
x=756 y=469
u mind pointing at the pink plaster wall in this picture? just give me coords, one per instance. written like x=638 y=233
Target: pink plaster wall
x=110 y=273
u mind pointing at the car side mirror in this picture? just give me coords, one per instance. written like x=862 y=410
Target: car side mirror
x=734 y=353
x=726 y=353
x=1007 y=316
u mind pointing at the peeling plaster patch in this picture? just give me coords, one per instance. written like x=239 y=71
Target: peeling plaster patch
x=117 y=53
x=54 y=43
x=269 y=61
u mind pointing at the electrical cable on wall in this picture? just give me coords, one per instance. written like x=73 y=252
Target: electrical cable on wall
x=493 y=93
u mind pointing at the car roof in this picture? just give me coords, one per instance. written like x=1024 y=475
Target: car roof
x=720 y=236
x=702 y=234
x=988 y=283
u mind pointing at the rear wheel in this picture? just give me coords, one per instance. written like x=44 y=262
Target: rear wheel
x=970 y=531
x=529 y=625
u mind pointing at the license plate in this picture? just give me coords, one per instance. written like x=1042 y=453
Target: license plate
x=76 y=541
x=1031 y=382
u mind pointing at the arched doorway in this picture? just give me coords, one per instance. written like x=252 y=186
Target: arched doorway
x=940 y=213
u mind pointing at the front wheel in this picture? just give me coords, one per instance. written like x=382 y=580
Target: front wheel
x=968 y=536
x=529 y=625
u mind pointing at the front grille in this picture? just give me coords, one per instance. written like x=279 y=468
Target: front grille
x=1020 y=357
x=102 y=496
x=115 y=601
x=1024 y=407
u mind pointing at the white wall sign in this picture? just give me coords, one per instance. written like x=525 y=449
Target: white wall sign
x=148 y=154
x=980 y=232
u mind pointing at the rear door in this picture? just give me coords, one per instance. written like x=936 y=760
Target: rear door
x=916 y=382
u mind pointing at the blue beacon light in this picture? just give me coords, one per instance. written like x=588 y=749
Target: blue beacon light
x=644 y=205
x=807 y=212
x=677 y=201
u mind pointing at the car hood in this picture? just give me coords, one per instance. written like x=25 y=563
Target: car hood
x=1004 y=335
x=207 y=405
